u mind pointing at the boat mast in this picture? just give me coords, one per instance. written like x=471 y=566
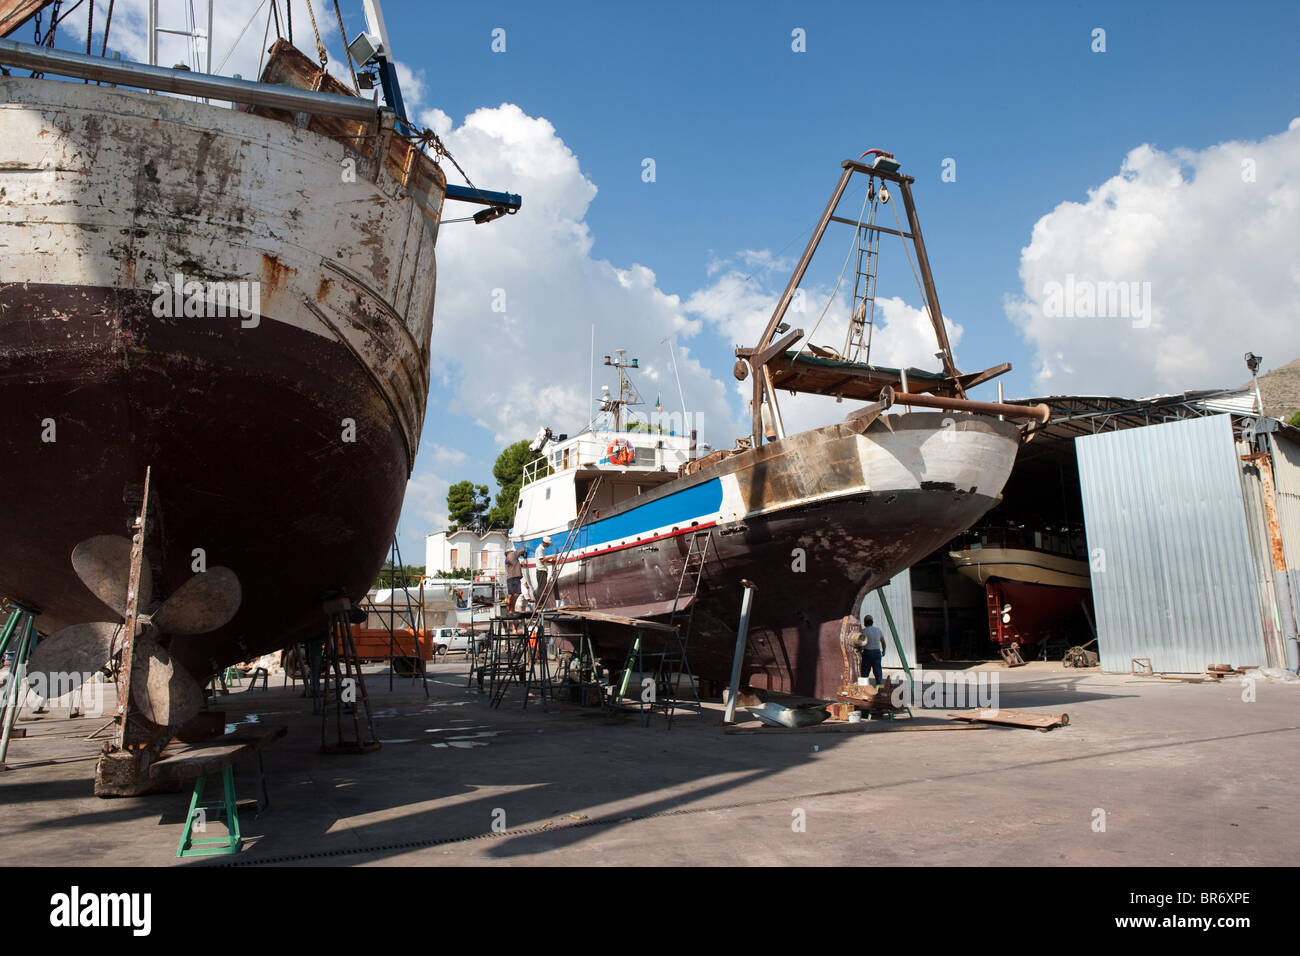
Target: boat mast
x=627 y=393
x=756 y=361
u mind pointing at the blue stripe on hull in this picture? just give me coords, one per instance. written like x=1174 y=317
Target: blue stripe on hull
x=680 y=508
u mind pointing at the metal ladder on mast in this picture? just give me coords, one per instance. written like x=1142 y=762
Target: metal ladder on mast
x=528 y=656
x=862 y=319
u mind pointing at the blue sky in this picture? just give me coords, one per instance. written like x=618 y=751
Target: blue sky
x=1170 y=161
x=747 y=134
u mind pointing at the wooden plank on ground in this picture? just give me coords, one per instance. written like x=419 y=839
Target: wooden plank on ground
x=859 y=727
x=1015 y=718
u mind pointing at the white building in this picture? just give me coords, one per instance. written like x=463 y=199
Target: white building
x=484 y=554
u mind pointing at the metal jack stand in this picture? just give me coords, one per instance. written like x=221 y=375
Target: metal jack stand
x=344 y=684
x=409 y=614
x=898 y=645
x=19 y=635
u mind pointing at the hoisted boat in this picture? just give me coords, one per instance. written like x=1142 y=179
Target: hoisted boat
x=816 y=520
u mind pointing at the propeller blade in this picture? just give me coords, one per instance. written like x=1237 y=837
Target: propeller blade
x=79 y=649
x=165 y=693
x=104 y=565
x=203 y=603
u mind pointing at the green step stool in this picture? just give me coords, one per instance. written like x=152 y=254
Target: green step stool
x=212 y=846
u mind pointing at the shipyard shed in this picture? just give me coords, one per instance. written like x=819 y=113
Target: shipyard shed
x=1190 y=505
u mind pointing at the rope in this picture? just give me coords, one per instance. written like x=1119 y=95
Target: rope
x=908 y=252
x=346 y=52
x=235 y=45
x=430 y=138
x=108 y=21
x=320 y=47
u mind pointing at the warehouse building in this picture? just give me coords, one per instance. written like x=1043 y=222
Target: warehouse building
x=1189 y=508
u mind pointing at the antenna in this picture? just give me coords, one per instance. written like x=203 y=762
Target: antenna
x=680 y=394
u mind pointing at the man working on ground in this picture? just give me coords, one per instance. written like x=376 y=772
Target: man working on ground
x=873 y=650
x=514 y=576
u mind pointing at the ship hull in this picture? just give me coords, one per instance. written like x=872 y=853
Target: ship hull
x=1024 y=565
x=1037 y=612
x=814 y=521
x=279 y=437
x=246 y=451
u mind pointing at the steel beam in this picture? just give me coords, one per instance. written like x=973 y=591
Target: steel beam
x=27 y=56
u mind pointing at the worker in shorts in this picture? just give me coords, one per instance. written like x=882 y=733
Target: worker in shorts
x=514 y=577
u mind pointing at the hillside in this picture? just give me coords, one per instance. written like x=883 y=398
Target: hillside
x=1280 y=389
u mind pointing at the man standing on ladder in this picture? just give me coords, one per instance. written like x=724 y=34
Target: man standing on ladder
x=539 y=556
x=514 y=577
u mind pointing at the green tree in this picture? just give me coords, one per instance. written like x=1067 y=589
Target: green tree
x=409 y=579
x=467 y=506
x=1294 y=420
x=509 y=472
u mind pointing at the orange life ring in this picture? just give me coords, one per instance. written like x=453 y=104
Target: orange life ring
x=620 y=452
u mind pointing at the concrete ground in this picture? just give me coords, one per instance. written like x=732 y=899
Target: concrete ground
x=1147 y=772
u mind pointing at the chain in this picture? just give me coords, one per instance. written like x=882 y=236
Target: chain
x=430 y=139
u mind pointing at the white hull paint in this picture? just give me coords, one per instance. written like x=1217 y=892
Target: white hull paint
x=111 y=188
x=1024 y=565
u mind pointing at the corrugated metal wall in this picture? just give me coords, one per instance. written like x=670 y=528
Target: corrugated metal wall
x=1173 y=578
x=898 y=592
x=1286 y=476
x=1261 y=552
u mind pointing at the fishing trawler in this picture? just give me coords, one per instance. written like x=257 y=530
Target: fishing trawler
x=214 y=348
x=814 y=520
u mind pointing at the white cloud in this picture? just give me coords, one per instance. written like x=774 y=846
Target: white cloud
x=529 y=365
x=424 y=510
x=242 y=31
x=1218 y=252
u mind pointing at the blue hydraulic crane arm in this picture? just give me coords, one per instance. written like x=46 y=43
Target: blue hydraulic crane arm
x=484 y=197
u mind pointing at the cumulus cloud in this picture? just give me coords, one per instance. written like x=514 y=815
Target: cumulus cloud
x=1202 y=243
x=242 y=30
x=517 y=299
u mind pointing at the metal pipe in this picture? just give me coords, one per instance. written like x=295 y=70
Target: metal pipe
x=742 y=633
x=151 y=44
x=16 y=692
x=777 y=424
x=27 y=56
x=1040 y=413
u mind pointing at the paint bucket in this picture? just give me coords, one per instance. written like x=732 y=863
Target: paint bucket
x=855 y=717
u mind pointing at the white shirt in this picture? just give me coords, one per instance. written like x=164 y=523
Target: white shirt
x=875 y=638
